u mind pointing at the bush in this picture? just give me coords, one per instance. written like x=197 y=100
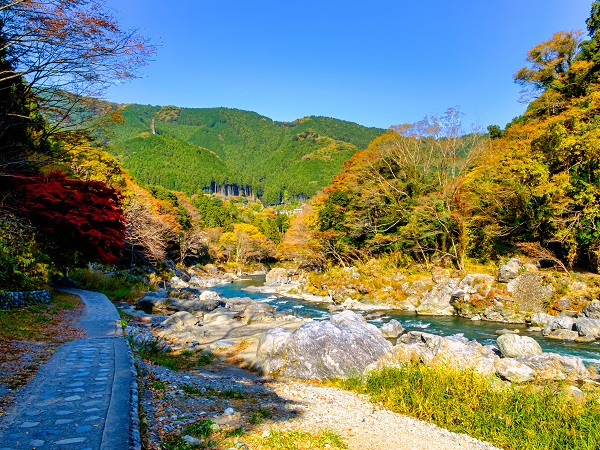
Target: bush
x=119 y=285
x=22 y=266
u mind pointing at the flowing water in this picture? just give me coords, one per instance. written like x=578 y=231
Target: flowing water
x=484 y=332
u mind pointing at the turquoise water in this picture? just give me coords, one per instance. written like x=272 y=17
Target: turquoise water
x=483 y=332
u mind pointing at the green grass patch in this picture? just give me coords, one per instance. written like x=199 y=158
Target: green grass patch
x=295 y=440
x=30 y=323
x=185 y=360
x=513 y=418
x=118 y=286
x=230 y=394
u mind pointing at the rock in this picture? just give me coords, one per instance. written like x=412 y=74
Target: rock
x=392 y=329
x=147 y=340
x=575 y=392
x=258 y=312
x=322 y=349
x=190 y=440
x=563 y=335
x=277 y=277
x=457 y=351
x=552 y=366
x=476 y=283
x=541 y=319
x=222 y=314
x=180 y=321
x=178 y=283
x=335 y=308
x=222 y=344
x=531 y=291
x=229 y=411
x=559 y=323
x=194 y=304
x=209 y=296
x=506 y=331
x=437 y=301
x=152 y=304
x=439 y=275
x=513 y=370
x=592 y=310
x=512 y=345
x=511 y=270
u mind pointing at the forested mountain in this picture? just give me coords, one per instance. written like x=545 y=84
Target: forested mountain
x=192 y=148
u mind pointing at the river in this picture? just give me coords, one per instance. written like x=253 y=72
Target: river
x=483 y=332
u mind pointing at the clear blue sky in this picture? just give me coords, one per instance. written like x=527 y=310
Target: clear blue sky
x=377 y=63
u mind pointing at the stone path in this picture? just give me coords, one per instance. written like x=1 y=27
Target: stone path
x=85 y=396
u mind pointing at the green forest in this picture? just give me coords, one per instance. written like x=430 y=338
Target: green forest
x=192 y=148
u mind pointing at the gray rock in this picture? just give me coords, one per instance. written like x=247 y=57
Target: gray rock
x=178 y=283
x=209 y=296
x=507 y=331
x=531 y=291
x=457 y=351
x=512 y=345
x=180 y=321
x=559 y=323
x=563 y=335
x=277 y=277
x=592 y=310
x=151 y=303
x=192 y=441
x=438 y=301
x=541 y=319
x=258 y=312
x=511 y=270
x=320 y=350
x=392 y=329
x=147 y=340
x=552 y=366
x=514 y=371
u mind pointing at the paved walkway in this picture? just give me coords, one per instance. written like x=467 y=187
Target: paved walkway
x=85 y=396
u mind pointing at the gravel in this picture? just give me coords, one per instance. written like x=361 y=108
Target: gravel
x=230 y=396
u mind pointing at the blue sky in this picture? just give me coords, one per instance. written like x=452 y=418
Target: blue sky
x=377 y=63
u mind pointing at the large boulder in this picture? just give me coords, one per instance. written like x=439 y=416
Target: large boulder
x=181 y=328
x=438 y=301
x=531 y=291
x=541 y=319
x=392 y=329
x=511 y=270
x=258 y=312
x=277 y=277
x=588 y=327
x=207 y=301
x=512 y=345
x=180 y=321
x=592 y=310
x=146 y=340
x=457 y=351
x=153 y=302
x=559 y=323
x=319 y=350
x=552 y=366
x=512 y=370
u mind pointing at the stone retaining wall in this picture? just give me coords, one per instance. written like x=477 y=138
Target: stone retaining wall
x=10 y=300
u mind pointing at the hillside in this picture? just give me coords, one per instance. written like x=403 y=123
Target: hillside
x=193 y=148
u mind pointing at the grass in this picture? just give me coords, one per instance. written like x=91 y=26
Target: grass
x=517 y=418
x=212 y=437
x=119 y=286
x=32 y=323
x=185 y=360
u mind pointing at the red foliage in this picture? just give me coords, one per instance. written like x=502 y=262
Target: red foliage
x=82 y=221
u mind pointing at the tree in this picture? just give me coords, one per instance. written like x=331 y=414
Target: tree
x=147 y=233
x=246 y=243
x=60 y=55
x=77 y=221
x=549 y=64
x=193 y=241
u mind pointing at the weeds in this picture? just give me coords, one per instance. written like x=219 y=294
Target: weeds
x=118 y=286
x=185 y=360
x=524 y=418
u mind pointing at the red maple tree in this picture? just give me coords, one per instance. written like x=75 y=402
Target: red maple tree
x=77 y=221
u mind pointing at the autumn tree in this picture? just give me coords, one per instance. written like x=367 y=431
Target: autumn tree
x=246 y=243
x=76 y=221
x=57 y=56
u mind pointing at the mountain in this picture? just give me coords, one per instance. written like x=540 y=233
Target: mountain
x=233 y=151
